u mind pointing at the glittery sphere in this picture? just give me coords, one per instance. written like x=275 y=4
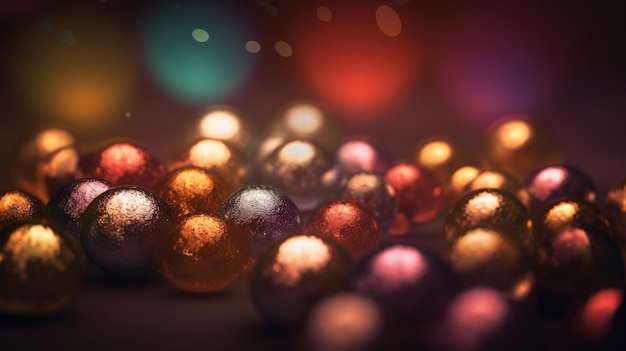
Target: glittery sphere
x=360 y=153
x=347 y=223
x=192 y=189
x=294 y=274
x=218 y=157
x=418 y=194
x=410 y=284
x=45 y=162
x=120 y=228
x=40 y=268
x=615 y=209
x=305 y=121
x=483 y=257
x=346 y=322
x=68 y=204
x=263 y=212
x=224 y=123
x=490 y=179
x=202 y=253
x=303 y=171
x=123 y=163
x=440 y=156
x=489 y=209
x=373 y=194
x=518 y=144
x=550 y=183
x=17 y=206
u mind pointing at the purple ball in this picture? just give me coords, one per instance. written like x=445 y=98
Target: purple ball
x=264 y=212
x=121 y=228
x=411 y=284
x=68 y=204
x=550 y=183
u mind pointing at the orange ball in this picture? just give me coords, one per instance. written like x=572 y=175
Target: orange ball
x=202 y=253
x=347 y=223
x=190 y=190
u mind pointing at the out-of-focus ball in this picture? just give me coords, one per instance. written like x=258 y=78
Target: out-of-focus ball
x=190 y=190
x=40 y=268
x=348 y=224
x=615 y=209
x=263 y=212
x=597 y=325
x=518 y=144
x=480 y=319
x=344 y=322
x=218 y=157
x=372 y=193
x=123 y=163
x=224 y=123
x=305 y=121
x=67 y=206
x=491 y=209
x=440 y=156
x=202 y=253
x=17 y=206
x=456 y=186
x=294 y=274
x=550 y=183
x=410 y=284
x=45 y=162
x=120 y=229
x=418 y=193
x=491 y=179
x=303 y=171
x=485 y=257
x=360 y=153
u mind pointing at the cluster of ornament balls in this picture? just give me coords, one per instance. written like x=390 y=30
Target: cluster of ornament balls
x=330 y=241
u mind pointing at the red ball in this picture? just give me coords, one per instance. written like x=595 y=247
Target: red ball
x=348 y=224
x=418 y=193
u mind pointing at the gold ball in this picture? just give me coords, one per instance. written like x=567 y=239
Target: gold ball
x=40 y=268
x=440 y=156
x=518 y=144
x=203 y=253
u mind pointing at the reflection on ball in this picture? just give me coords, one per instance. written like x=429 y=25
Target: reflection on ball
x=17 y=206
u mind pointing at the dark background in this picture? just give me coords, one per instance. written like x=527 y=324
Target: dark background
x=584 y=103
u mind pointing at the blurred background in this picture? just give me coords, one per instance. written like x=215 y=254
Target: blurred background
x=396 y=70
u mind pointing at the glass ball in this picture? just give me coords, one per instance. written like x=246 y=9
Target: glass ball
x=67 y=206
x=486 y=257
x=518 y=144
x=222 y=122
x=348 y=224
x=440 y=156
x=344 y=321
x=45 y=162
x=410 y=284
x=123 y=163
x=372 y=193
x=418 y=193
x=218 y=157
x=41 y=267
x=263 y=212
x=202 y=253
x=120 y=229
x=360 y=153
x=294 y=274
x=550 y=183
x=190 y=190
x=17 y=206
x=491 y=209
x=303 y=171
x=305 y=121
x=615 y=209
